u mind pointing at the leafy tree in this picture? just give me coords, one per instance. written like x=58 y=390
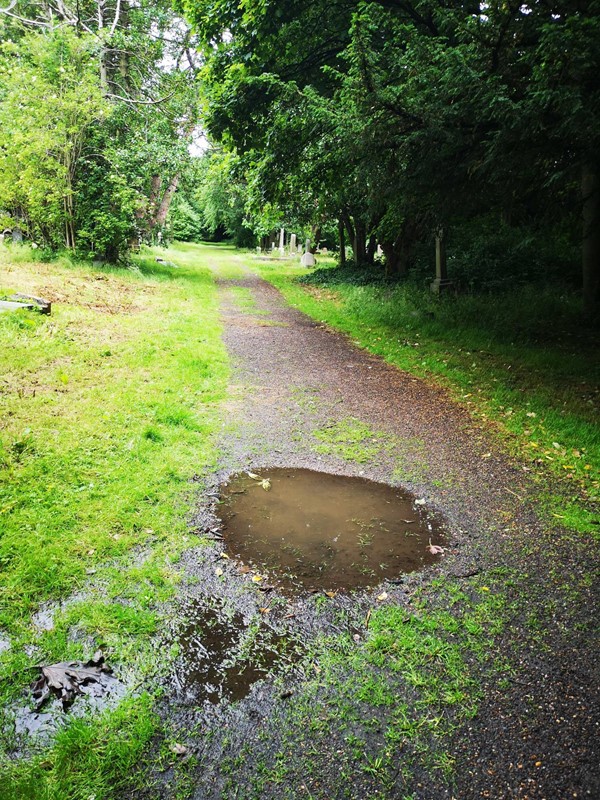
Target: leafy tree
x=399 y=116
x=125 y=103
x=49 y=101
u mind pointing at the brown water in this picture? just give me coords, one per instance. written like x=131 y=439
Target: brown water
x=311 y=531
x=221 y=657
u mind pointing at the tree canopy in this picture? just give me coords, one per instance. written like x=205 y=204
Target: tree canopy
x=400 y=116
x=98 y=105
x=388 y=120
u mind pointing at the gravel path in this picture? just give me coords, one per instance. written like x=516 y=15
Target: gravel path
x=536 y=734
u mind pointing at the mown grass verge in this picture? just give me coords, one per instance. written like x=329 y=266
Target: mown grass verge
x=107 y=411
x=521 y=361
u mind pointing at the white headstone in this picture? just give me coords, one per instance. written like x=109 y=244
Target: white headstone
x=293 y=246
x=379 y=250
x=258 y=250
x=282 y=242
x=307 y=245
x=307 y=260
x=324 y=251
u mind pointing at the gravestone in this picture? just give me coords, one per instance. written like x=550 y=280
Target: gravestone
x=293 y=245
x=324 y=251
x=379 y=252
x=258 y=251
x=17 y=235
x=307 y=260
x=282 y=242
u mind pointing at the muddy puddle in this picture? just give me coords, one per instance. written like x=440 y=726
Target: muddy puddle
x=314 y=531
x=221 y=657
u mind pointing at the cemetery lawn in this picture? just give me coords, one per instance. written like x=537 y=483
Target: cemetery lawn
x=107 y=409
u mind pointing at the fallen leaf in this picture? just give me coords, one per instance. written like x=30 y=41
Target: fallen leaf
x=266 y=484
x=66 y=678
x=266 y=610
x=531 y=414
x=244 y=569
x=218 y=572
x=257 y=578
x=223 y=555
x=254 y=476
x=178 y=749
x=331 y=594
x=420 y=502
x=383 y=596
x=409 y=521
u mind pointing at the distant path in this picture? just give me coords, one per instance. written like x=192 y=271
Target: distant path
x=534 y=737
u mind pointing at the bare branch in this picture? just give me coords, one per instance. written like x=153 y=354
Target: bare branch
x=24 y=20
x=141 y=102
x=115 y=21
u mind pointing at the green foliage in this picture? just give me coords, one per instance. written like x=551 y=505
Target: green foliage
x=96 y=116
x=221 y=199
x=185 y=221
x=49 y=99
x=397 y=118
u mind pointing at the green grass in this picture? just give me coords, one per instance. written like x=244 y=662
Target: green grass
x=91 y=758
x=108 y=409
x=350 y=440
x=521 y=361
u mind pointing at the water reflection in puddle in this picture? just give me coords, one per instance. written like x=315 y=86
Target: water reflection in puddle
x=316 y=531
x=222 y=657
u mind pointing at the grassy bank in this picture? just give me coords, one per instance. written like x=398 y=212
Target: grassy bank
x=522 y=362
x=107 y=408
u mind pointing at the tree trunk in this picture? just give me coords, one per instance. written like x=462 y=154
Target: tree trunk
x=315 y=238
x=163 y=209
x=391 y=258
x=342 y=243
x=103 y=54
x=371 y=250
x=359 y=245
x=590 y=190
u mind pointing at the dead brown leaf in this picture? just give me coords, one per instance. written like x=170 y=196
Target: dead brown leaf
x=66 y=678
